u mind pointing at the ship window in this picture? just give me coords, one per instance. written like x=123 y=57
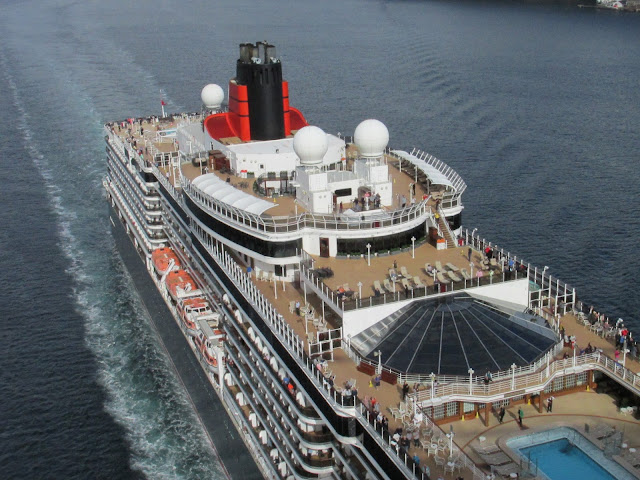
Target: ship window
x=381 y=244
x=263 y=247
x=455 y=222
x=343 y=192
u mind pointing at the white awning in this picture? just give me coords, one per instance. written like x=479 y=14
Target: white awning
x=220 y=190
x=433 y=173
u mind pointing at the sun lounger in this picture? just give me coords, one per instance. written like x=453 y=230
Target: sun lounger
x=388 y=286
x=488 y=450
x=406 y=284
x=452 y=267
x=428 y=268
x=439 y=266
x=465 y=274
x=454 y=277
x=493 y=262
x=377 y=287
x=506 y=470
x=442 y=278
x=602 y=431
x=403 y=271
x=417 y=282
x=495 y=459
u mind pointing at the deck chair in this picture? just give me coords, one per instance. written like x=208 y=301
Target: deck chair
x=418 y=283
x=377 y=287
x=465 y=274
x=292 y=306
x=439 y=266
x=440 y=461
x=452 y=267
x=493 y=262
x=403 y=271
x=428 y=268
x=442 y=278
x=506 y=470
x=454 y=277
x=406 y=284
x=388 y=286
x=495 y=459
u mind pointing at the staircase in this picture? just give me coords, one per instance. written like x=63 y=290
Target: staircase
x=444 y=227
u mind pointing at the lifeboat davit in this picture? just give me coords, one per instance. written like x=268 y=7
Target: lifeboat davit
x=161 y=258
x=204 y=342
x=194 y=309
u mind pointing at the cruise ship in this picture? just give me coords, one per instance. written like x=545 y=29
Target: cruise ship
x=321 y=301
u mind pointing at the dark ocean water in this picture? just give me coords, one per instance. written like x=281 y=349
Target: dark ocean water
x=537 y=107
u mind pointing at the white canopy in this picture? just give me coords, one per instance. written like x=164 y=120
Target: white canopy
x=433 y=173
x=220 y=190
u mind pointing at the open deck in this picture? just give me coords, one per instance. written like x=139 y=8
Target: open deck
x=147 y=136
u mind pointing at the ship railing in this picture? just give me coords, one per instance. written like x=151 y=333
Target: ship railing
x=385 y=439
x=164 y=181
x=446 y=226
x=527 y=380
x=279 y=326
x=305 y=220
x=267 y=468
x=456 y=180
x=451 y=194
x=400 y=295
x=551 y=298
x=460 y=455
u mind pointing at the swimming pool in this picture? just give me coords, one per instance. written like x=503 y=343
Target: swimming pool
x=563 y=453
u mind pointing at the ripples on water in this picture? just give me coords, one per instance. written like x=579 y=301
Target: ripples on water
x=536 y=107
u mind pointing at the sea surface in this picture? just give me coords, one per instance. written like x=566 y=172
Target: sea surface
x=536 y=106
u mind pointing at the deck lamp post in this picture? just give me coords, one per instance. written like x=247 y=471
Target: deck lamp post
x=513 y=376
x=433 y=382
x=472 y=234
x=544 y=270
x=360 y=292
x=413 y=247
x=450 y=437
x=471 y=267
x=379 y=355
x=275 y=287
x=625 y=350
x=369 y=254
x=471 y=372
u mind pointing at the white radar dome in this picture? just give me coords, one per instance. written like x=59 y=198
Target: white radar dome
x=371 y=137
x=310 y=144
x=212 y=96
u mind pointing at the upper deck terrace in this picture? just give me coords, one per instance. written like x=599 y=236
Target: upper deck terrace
x=151 y=140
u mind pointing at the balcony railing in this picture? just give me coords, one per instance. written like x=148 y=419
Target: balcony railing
x=306 y=220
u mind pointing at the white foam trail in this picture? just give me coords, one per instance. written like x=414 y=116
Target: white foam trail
x=178 y=449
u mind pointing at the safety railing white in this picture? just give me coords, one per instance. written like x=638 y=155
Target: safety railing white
x=306 y=220
x=504 y=385
x=554 y=298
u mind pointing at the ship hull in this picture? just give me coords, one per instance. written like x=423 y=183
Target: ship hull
x=229 y=446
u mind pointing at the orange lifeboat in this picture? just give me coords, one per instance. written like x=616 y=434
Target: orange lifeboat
x=179 y=283
x=161 y=258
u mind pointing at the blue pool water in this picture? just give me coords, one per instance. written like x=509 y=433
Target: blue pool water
x=561 y=459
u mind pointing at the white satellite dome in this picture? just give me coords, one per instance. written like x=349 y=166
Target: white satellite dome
x=212 y=96
x=310 y=144
x=371 y=137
